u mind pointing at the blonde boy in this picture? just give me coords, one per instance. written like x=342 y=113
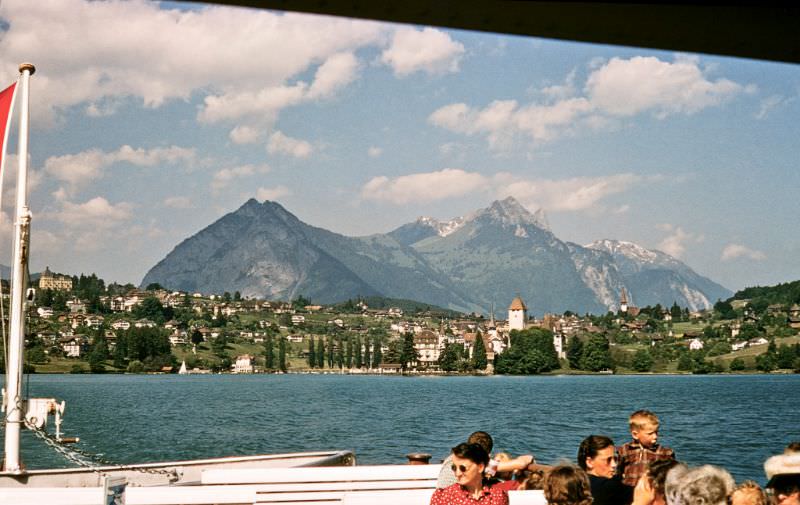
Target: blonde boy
x=643 y=449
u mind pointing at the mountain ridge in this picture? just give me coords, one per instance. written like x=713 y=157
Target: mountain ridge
x=467 y=263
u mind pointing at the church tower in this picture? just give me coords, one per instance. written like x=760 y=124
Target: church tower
x=623 y=302
x=517 y=314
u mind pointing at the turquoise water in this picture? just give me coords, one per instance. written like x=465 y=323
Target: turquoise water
x=733 y=421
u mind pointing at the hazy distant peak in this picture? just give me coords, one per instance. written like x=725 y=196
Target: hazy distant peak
x=634 y=252
x=540 y=216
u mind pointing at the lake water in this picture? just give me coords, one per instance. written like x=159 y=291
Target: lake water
x=732 y=421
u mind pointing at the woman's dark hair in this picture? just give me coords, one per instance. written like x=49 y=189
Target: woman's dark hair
x=657 y=473
x=472 y=452
x=590 y=446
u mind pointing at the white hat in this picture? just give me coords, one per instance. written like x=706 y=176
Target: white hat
x=783 y=464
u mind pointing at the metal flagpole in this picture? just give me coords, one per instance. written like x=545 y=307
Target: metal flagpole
x=16 y=341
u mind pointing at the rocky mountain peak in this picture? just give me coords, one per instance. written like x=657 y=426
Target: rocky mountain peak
x=442 y=228
x=510 y=212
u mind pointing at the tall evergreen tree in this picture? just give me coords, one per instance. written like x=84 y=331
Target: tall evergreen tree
x=450 y=357
x=348 y=362
x=575 y=352
x=320 y=353
x=269 y=353
x=376 y=352
x=331 y=350
x=408 y=353
x=340 y=353
x=282 y=354
x=479 y=360
x=312 y=360
x=357 y=352
x=367 y=362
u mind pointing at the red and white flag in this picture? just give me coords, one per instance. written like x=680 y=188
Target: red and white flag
x=6 y=105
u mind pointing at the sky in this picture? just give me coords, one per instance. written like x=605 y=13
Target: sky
x=149 y=121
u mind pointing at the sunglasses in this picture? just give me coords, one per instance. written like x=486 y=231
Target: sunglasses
x=460 y=468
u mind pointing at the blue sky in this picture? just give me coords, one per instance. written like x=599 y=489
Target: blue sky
x=150 y=121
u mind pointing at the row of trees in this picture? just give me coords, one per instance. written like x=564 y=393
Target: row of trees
x=345 y=352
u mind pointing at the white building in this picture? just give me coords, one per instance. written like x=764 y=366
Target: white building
x=121 y=325
x=696 y=344
x=244 y=364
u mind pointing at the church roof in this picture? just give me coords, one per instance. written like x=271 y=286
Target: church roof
x=518 y=304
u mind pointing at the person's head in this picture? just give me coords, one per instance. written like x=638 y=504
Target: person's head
x=483 y=439
x=644 y=427
x=657 y=475
x=597 y=456
x=534 y=480
x=748 y=493
x=469 y=462
x=567 y=485
x=783 y=472
x=704 y=485
x=792 y=448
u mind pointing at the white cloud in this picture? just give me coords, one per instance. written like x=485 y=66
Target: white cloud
x=94 y=214
x=374 y=152
x=619 y=88
x=243 y=135
x=272 y=193
x=224 y=177
x=97 y=53
x=565 y=195
x=734 y=251
x=178 y=202
x=81 y=168
x=561 y=91
x=338 y=71
x=675 y=244
x=427 y=50
x=771 y=103
x=504 y=120
x=10 y=172
x=423 y=187
x=640 y=84
x=280 y=143
x=259 y=105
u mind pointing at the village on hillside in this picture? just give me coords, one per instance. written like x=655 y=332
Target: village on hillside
x=77 y=324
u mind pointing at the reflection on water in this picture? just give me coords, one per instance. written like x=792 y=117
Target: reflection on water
x=733 y=421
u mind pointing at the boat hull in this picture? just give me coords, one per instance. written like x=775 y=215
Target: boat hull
x=168 y=472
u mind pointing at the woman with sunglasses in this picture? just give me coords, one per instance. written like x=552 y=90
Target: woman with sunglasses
x=597 y=456
x=469 y=463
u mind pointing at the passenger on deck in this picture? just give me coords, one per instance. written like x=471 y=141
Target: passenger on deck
x=704 y=485
x=567 y=485
x=596 y=455
x=447 y=477
x=792 y=447
x=635 y=455
x=783 y=472
x=650 y=488
x=748 y=493
x=468 y=464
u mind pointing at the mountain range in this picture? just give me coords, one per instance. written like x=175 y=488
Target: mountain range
x=468 y=264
